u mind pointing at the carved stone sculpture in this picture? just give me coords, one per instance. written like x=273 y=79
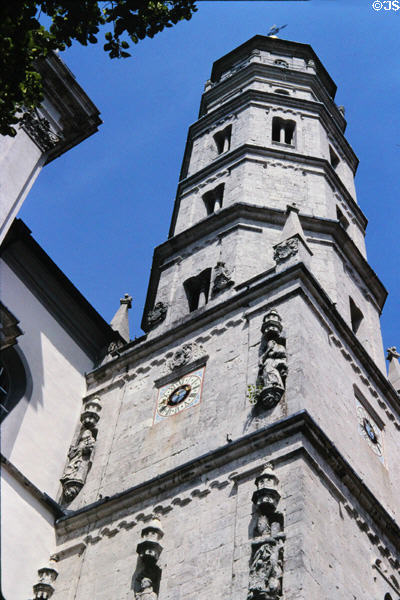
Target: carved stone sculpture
x=272 y=366
x=76 y=471
x=44 y=589
x=146 y=591
x=266 y=568
x=222 y=278
x=286 y=249
x=265 y=573
x=157 y=315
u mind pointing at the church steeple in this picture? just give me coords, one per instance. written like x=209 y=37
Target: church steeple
x=262 y=364
x=269 y=135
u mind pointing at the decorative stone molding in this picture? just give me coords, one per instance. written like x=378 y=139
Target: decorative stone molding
x=39 y=130
x=44 y=588
x=272 y=366
x=222 y=279
x=81 y=453
x=148 y=573
x=157 y=315
x=286 y=249
x=266 y=568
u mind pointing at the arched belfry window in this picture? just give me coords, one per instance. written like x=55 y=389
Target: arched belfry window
x=222 y=139
x=197 y=289
x=213 y=199
x=388 y=597
x=279 y=62
x=283 y=130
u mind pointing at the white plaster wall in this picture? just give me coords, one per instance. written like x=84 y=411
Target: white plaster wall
x=21 y=515
x=37 y=433
x=20 y=163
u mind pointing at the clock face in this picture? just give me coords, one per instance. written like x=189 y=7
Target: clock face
x=370 y=431
x=179 y=395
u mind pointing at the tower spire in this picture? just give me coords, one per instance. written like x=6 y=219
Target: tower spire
x=120 y=321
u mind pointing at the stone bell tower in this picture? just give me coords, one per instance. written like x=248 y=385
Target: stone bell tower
x=246 y=447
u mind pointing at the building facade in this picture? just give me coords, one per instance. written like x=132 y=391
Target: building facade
x=49 y=337
x=246 y=447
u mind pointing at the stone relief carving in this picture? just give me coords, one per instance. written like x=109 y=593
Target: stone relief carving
x=80 y=454
x=44 y=588
x=157 y=315
x=222 y=278
x=146 y=591
x=266 y=567
x=148 y=573
x=286 y=249
x=39 y=130
x=185 y=355
x=114 y=346
x=272 y=366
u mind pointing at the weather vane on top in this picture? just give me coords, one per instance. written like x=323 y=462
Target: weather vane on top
x=275 y=30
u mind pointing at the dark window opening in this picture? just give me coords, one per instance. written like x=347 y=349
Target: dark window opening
x=197 y=289
x=213 y=199
x=13 y=380
x=341 y=218
x=388 y=597
x=281 y=63
x=355 y=315
x=283 y=92
x=283 y=131
x=333 y=157
x=223 y=139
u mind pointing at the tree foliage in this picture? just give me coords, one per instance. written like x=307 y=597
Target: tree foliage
x=24 y=40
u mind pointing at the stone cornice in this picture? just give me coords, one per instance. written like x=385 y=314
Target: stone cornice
x=284 y=47
x=78 y=116
x=246 y=152
x=104 y=510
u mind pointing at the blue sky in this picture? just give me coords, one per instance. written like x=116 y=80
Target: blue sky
x=100 y=209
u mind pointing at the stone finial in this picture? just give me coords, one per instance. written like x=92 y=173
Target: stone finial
x=394 y=368
x=150 y=548
x=120 y=321
x=266 y=497
x=90 y=414
x=44 y=588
